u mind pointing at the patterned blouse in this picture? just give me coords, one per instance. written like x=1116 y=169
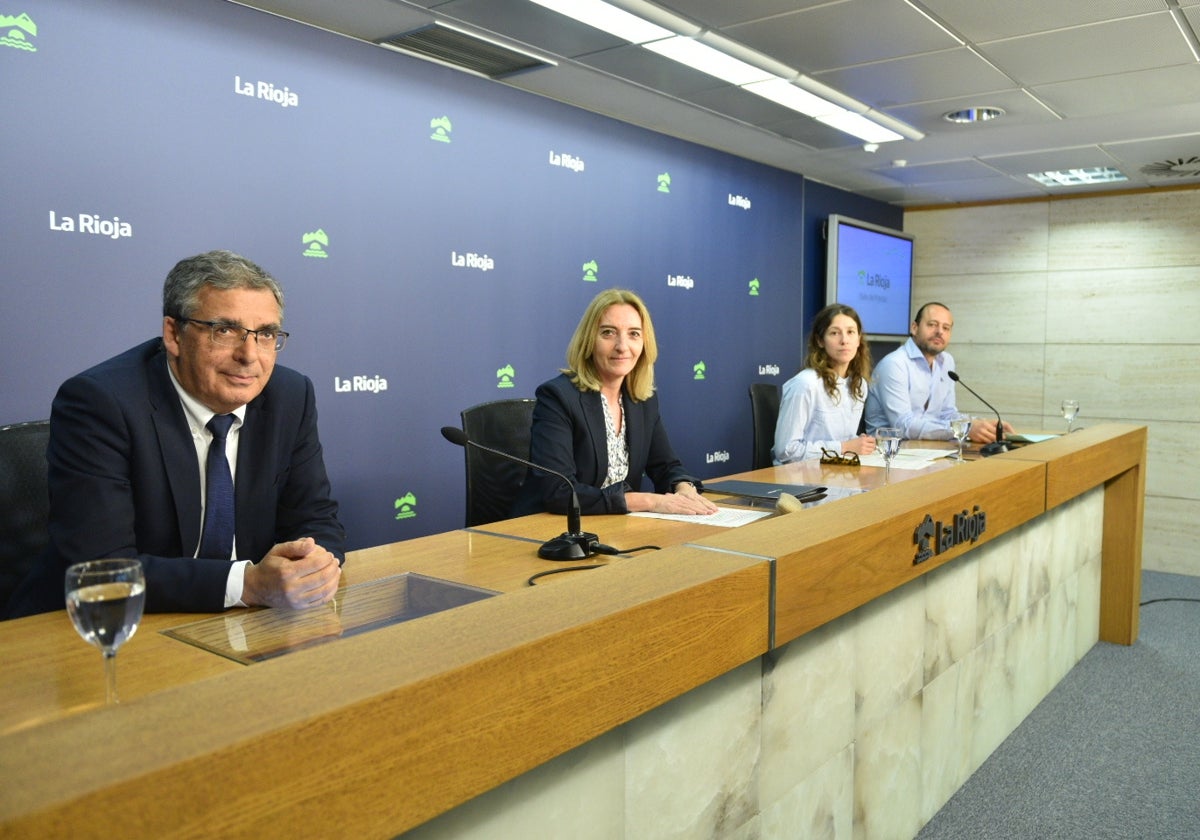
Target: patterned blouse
x=618 y=447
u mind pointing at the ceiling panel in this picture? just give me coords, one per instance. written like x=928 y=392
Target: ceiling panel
x=722 y=13
x=1101 y=49
x=1079 y=157
x=941 y=75
x=833 y=35
x=959 y=170
x=1170 y=160
x=1079 y=81
x=1179 y=85
x=988 y=21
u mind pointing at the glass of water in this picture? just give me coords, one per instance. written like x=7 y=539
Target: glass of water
x=105 y=599
x=887 y=440
x=1069 y=409
x=960 y=427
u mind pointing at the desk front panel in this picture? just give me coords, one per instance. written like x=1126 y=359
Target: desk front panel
x=834 y=558
x=371 y=735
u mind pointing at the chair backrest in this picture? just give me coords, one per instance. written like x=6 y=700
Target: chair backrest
x=24 y=501
x=764 y=411
x=493 y=482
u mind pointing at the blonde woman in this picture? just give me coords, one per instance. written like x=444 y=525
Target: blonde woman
x=598 y=423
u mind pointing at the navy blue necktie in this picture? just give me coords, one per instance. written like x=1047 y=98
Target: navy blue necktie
x=217 y=541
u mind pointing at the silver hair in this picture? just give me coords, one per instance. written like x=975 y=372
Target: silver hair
x=218 y=269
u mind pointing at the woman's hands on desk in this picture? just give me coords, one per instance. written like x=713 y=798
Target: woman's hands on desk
x=685 y=499
x=296 y=574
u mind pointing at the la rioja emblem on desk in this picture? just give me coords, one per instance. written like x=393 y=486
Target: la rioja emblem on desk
x=935 y=537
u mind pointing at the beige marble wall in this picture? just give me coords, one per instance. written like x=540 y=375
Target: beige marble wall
x=1093 y=298
x=862 y=729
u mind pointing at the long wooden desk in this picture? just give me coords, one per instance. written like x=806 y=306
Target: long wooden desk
x=428 y=714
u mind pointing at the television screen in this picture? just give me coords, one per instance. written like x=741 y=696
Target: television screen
x=869 y=267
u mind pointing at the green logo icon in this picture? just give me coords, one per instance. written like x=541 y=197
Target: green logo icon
x=505 y=375
x=15 y=37
x=316 y=243
x=405 y=506
x=664 y=182
x=589 y=271
x=699 y=369
x=441 y=129
x=754 y=287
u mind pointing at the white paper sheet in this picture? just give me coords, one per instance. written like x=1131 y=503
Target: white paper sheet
x=723 y=518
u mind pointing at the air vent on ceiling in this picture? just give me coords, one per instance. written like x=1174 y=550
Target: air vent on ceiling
x=1181 y=168
x=462 y=49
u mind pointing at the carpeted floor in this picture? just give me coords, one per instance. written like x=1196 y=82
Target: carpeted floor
x=1112 y=753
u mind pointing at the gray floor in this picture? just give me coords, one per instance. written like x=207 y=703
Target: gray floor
x=1112 y=752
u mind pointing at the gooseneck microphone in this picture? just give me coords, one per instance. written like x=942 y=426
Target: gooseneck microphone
x=1000 y=444
x=574 y=543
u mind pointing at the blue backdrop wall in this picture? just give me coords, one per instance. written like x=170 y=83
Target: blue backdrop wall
x=437 y=235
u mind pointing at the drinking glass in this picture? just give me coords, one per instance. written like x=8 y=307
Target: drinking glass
x=105 y=599
x=960 y=427
x=1069 y=409
x=887 y=440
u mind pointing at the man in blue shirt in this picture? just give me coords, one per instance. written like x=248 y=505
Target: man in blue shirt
x=911 y=389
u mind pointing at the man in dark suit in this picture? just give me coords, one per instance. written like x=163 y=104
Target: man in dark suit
x=129 y=457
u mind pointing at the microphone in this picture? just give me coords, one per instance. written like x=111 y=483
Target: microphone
x=1000 y=444
x=572 y=544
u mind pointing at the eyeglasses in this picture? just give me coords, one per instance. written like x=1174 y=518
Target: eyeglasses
x=231 y=335
x=848 y=459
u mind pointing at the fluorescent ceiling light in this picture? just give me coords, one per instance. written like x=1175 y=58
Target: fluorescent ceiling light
x=609 y=19
x=700 y=56
x=1078 y=177
x=784 y=93
x=860 y=127
x=704 y=58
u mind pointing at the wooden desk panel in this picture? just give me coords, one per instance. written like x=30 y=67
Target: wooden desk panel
x=618 y=530
x=58 y=674
x=490 y=561
x=1112 y=455
x=828 y=563
x=50 y=672
x=372 y=735
x=1085 y=459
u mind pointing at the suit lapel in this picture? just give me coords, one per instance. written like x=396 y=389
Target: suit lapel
x=593 y=415
x=635 y=430
x=178 y=451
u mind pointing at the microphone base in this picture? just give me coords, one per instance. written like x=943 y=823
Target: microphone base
x=568 y=546
x=995 y=448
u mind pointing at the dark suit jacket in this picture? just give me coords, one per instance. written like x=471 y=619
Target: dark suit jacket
x=125 y=481
x=568 y=436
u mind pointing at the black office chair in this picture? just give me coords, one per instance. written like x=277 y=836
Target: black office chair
x=24 y=501
x=493 y=482
x=764 y=411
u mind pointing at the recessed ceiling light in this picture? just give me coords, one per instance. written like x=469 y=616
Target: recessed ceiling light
x=1077 y=177
x=973 y=115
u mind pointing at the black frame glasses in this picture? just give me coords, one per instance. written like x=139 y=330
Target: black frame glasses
x=844 y=459
x=231 y=335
